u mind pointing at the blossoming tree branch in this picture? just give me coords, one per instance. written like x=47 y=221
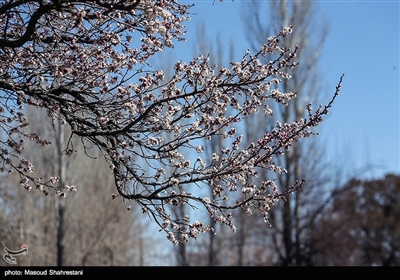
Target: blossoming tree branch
x=86 y=63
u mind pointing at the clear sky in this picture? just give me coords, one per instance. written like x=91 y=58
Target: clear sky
x=363 y=127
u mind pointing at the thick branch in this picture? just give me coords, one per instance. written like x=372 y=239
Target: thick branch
x=30 y=29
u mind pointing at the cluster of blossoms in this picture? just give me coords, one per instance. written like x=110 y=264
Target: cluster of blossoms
x=85 y=63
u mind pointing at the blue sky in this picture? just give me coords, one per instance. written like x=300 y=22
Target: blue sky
x=363 y=127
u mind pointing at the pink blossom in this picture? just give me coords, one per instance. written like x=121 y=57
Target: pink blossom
x=86 y=64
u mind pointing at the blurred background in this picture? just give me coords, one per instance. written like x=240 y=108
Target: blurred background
x=348 y=212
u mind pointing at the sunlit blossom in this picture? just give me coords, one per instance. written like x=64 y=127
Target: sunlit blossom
x=87 y=71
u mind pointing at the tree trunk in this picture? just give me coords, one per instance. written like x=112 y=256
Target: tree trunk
x=60 y=201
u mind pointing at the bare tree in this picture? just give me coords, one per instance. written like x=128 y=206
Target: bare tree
x=94 y=229
x=288 y=235
x=214 y=48
x=86 y=64
x=166 y=62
